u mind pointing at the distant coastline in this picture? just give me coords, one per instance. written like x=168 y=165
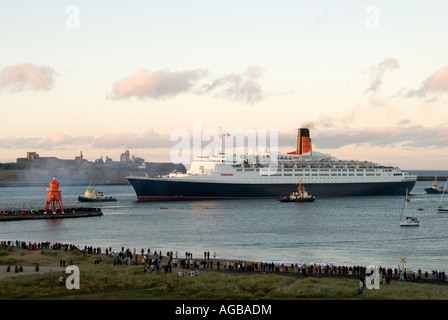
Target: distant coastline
x=80 y=176
x=34 y=170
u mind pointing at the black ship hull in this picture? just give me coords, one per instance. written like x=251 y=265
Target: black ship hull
x=176 y=189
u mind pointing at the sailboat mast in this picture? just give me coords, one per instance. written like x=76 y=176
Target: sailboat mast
x=405 y=203
x=440 y=203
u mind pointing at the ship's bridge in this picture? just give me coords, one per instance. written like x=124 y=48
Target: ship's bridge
x=205 y=164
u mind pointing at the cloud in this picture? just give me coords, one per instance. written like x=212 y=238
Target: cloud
x=378 y=72
x=53 y=141
x=415 y=137
x=411 y=136
x=243 y=87
x=374 y=111
x=17 y=143
x=436 y=83
x=27 y=76
x=58 y=140
x=165 y=84
x=149 y=139
x=157 y=85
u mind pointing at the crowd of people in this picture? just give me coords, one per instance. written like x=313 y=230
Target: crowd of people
x=190 y=264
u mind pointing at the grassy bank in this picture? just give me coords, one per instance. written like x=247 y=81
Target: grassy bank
x=107 y=282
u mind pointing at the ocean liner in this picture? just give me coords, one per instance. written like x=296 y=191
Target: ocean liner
x=273 y=176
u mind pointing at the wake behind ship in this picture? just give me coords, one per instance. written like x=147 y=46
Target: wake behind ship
x=214 y=177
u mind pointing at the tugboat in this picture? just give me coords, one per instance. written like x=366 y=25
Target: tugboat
x=434 y=188
x=300 y=195
x=92 y=195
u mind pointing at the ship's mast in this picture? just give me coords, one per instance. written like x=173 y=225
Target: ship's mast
x=222 y=142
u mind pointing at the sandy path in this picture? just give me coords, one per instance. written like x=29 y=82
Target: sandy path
x=27 y=270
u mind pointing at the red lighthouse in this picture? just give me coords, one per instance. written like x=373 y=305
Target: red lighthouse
x=54 y=198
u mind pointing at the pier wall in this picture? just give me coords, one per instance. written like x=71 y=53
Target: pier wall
x=431 y=178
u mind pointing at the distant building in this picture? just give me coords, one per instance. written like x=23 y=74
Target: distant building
x=99 y=161
x=79 y=158
x=108 y=160
x=22 y=160
x=32 y=155
x=137 y=161
x=125 y=157
x=34 y=161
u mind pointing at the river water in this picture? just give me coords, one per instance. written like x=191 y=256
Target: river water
x=341 y=231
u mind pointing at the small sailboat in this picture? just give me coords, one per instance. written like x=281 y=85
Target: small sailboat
x=300 y=195
x=441 y=209
x=410 y=221
x=407 y=221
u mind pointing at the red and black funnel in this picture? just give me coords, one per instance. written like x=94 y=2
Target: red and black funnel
x=303 y=144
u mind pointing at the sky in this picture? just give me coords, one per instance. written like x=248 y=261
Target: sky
x=368 y=78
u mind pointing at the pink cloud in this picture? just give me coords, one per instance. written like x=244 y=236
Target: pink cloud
x=438 y=81
x=26 y=76
x=157 y=85
x=147 y=139
x=164 y=84
x=57 y=140
x=435 y=83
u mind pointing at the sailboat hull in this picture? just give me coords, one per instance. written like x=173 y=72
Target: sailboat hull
x=404 y=224
x=408 y=221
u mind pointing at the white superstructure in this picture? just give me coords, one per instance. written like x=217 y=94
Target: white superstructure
x=287 y=168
